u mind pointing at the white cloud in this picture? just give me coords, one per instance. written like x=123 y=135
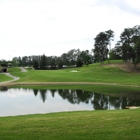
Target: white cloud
x=53 y=27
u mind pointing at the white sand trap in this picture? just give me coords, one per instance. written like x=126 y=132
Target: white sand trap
x=74 y=71
x=132 y=107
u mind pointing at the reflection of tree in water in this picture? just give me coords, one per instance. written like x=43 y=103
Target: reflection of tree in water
x=43 y=95
x=4 y=89
x=84 y=96
x=130 y=102
x=75 y=96
x=69 y=95
x=99 y=101
x=35 y=91
x=115 y=102
x=53 y=92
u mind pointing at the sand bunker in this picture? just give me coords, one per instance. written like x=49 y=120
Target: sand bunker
x=74 y=71
x=132 y=107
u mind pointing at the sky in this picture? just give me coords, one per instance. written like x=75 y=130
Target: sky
x=53 y=27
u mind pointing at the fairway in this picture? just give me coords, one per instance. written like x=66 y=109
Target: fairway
x=92 y=73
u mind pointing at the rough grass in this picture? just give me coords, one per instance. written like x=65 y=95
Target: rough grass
x=98 y=125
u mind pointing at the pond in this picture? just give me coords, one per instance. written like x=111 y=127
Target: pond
x=23 y=101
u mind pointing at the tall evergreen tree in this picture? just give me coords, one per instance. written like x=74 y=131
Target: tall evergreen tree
x=43 y=62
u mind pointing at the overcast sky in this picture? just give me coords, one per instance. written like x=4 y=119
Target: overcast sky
x=53 y=27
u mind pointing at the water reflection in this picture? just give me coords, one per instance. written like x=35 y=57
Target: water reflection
x=99 y=101
x=59 y=100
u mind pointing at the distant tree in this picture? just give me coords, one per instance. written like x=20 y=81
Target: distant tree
x=116 y=52
x=60 y=65
x=15 y=61
x=129 y=43
x=25 y=61
x=110 y=37
x=86 y=57
x=30 y=61
x=79 y=63
x=70 y=57
x=35 y=64
x=64 y=59
x=137 y=51
x=101 y=50
x=53 y=65
x=43 y=62
x=102 y=40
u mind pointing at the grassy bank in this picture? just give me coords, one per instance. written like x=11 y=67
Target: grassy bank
x=92 y=73
x=4 y=78
x=105 y=125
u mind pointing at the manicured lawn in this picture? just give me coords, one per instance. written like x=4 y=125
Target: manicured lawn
x=4 y=78
x=92 y=73
x=85 y=125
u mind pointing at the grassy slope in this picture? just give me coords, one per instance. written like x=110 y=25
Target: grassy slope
x=4 y=78
x=92 y=73
x=98 y=125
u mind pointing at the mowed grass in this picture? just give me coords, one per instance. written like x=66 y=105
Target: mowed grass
x=4 y=78
x=92 y=73
x=84 y=125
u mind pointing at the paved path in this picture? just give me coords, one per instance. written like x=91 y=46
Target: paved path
x=22 y=69
x=15 y=78
x=10 y=75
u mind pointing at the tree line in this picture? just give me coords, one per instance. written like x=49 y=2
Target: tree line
x=126 y=49
x=74 y=57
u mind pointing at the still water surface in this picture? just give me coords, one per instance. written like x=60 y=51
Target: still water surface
x=19 y=101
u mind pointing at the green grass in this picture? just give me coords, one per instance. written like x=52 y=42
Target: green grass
x=84 y=125
x=93 y=73
x=87 y=125
x=14 y=70
x=4 y=78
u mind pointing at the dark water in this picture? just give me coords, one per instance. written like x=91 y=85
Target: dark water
x=19 y=101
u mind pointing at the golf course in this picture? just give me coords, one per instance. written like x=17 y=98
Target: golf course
x=115 y=79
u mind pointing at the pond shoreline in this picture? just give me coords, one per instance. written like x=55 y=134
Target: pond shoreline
x=10 y=83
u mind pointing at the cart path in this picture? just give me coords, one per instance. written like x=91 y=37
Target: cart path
x=15 y=78
x=23 y=69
